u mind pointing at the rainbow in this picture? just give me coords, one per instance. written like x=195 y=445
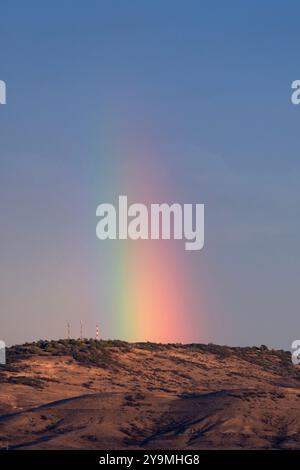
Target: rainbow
x=147 y=289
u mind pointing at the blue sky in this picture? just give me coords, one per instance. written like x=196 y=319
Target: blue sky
x=207 y=84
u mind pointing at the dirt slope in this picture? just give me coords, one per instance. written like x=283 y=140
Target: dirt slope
x=113 y=395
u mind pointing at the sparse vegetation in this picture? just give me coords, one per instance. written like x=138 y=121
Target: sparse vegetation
x=67 y=391
x=100 y=353
x=86 y=351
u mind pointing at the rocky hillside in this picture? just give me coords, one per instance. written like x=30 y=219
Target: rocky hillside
x=88 y=394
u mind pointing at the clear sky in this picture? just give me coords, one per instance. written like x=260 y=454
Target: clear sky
x=163 y=101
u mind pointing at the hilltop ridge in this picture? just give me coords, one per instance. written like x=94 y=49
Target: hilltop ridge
x=88 y=394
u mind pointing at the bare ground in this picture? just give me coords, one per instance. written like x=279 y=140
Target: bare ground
x=148 y=396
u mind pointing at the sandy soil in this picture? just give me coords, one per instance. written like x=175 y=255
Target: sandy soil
x=152 y=397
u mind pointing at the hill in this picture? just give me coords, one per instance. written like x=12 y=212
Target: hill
x=87 y=394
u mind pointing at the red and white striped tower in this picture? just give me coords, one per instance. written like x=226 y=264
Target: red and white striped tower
x=68 y=330
x=97 y=332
